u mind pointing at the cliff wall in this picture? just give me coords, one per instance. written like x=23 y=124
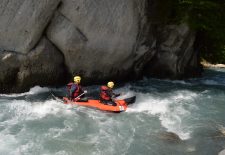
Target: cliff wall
x=47 y=42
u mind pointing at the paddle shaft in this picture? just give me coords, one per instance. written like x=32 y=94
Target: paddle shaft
x=80 y=95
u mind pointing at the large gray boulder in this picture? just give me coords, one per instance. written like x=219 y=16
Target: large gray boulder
x=99 y=38
x=22 y=22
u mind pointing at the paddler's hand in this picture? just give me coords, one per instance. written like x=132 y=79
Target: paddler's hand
x=113 y=98
x=76 y=99
x=122 y=93
x=85 y=91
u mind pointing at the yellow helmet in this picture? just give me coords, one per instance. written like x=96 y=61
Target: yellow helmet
x=110 y=84
x=77 y=79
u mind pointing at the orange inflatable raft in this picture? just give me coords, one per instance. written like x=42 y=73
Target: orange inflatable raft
x=120 y=107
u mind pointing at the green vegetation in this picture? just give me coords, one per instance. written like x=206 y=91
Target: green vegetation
x=207 y=17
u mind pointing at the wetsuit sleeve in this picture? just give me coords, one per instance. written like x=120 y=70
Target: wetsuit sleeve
x=109 y=93
x=112 y=94
x=73 y=89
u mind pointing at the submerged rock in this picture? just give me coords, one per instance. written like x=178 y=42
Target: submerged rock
x=191 y=149
x=220 y=131
x=169 y=136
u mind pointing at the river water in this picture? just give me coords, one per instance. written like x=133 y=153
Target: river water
x=34 y=123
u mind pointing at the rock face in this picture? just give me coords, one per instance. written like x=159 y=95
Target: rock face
x=99 y=39
x=175 y=57
x=22 y=23
x=43 y=66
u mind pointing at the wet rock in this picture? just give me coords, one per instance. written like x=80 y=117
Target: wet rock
x=220 y=131
x=9 y=67
x=23 y=22
x=222 y=152
x=191 y=149
x=169 y=136
x=43 y=66
x=207 y=64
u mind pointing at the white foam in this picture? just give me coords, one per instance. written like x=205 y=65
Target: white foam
x=38 y=89
x=179 y=82
x=171 y=109
x=41 y=110
x=24 y=110
x=61 y=153
x=127 y=94
x=7 y=141
x=34 y=90
x=149 y=104
x=24 y=149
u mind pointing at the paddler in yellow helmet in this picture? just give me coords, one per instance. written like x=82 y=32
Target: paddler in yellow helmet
x=75 y=91
x=107 y=94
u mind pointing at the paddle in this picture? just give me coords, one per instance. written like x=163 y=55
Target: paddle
x=61 y=96
x=80 y=95
x=57 y=97
x=130 y=100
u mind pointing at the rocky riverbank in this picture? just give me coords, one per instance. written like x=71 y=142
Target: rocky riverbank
x=206 y=64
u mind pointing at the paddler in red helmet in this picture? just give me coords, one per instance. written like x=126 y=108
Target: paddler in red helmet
x=107 y=94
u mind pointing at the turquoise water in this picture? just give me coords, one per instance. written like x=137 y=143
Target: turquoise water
x=36 y=123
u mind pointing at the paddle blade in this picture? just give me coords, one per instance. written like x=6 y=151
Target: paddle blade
x=130 y=100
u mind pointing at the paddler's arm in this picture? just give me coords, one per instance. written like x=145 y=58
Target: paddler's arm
x=112 y=94
x=109 y=93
